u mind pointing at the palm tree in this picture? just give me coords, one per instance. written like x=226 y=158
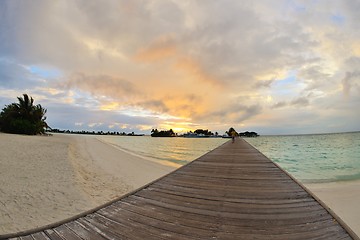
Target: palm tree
x=26 y=105
x=38 y=115
x=23 y=117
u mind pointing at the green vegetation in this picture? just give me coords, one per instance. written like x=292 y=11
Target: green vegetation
x=248 y=134
x=55 y=130
x=205 y=132
x=200 y=133
x=156 y=133
x=23 y=117
x=242 y=134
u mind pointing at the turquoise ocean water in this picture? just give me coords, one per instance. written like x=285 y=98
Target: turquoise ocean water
x=314 y=158
x=309 y=158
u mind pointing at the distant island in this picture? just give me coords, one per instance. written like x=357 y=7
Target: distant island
x=248 y=134
x=201 y=133
x=95 y=133
x=163 y=133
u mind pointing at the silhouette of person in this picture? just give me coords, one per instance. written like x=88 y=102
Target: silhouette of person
x=233 y=134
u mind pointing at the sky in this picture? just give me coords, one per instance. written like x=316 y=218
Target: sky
x=270 y=66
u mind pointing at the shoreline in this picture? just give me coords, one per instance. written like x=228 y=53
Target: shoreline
x=109 y=164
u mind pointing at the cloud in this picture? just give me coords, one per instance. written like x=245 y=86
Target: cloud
x=161 y=48
x=235 y=113
x=350 y=82
x=314 y=76
x=300 y=102
x=280 y=104
x=155 y=105
x=102 y=84
x=264 y=84
x=194 y=62
x=295 y=103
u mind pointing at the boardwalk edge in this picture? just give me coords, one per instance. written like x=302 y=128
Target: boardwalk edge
x=328 y=209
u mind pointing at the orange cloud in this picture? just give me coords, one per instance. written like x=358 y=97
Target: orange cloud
x=109 y=106
x=162 y=48
x=185 y=106
x=356 y=48
x=195 y=71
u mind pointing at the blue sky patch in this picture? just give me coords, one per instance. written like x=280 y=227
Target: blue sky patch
x=290 y=78
x=338 y=19
x=45 y=72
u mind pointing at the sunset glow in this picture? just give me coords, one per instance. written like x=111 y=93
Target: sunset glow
x=275 y=67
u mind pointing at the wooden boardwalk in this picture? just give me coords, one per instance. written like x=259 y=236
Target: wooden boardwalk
x=233 y=192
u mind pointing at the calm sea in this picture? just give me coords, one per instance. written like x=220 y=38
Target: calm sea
x=174 y=150
x=314 y=158
x=309 y=158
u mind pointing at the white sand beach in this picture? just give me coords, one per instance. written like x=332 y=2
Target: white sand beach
x=343 y=198
x=46 y=179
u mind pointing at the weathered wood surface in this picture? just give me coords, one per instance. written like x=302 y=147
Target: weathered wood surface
x=233 y=192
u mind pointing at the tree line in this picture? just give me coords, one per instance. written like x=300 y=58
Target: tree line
x=94 y=133
x=162 y=133
x=171 y=133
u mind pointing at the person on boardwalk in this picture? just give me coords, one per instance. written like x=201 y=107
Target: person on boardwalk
x=233 y=135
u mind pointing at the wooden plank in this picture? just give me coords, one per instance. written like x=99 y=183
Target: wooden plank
x=114 y=229
x=258 y=202
x=174 y=216
x=84 y=231
x=52 y=234
x=151 y=224
x=26 y=238
x=331 y=233
x=228 y=206
x=231 y=226
x=232 y=186
x=145 y=229
x=238 y=194
x=288 y=183
x=286 y=218
x=66 y=233
x=40 y=236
